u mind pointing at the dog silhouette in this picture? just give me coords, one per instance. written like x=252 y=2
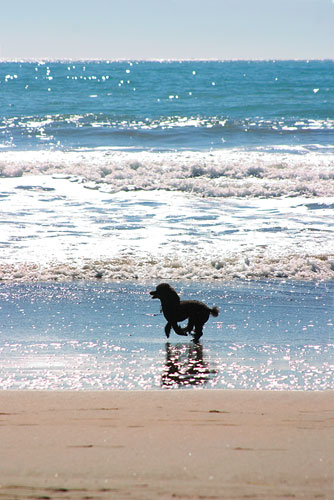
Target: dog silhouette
x=176 y=310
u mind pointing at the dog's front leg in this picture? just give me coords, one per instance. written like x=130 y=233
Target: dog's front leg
x=168 y=328
x=180 y=331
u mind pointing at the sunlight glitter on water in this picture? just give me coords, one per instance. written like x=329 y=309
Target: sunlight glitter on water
x=175 y=366
x=82 y=337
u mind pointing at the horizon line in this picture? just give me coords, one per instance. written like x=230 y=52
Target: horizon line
x=161 y=60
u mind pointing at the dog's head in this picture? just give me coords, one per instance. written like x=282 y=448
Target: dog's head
x=163 y=291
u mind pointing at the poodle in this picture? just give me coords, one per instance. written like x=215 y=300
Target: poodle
x=176 y=310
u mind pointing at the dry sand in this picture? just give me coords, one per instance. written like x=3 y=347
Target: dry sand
x=193 y=444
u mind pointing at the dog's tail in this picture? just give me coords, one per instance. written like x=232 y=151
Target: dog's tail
x=214 y=311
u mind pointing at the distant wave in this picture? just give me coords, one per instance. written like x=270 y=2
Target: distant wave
x=72 y=131
x=107 y=120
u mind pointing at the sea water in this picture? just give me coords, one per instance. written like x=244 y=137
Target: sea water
x=268 y=336
x=193 y=169
x=211 y=173
x=167 y=105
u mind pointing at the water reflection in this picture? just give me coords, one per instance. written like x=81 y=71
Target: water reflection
x=185 y=366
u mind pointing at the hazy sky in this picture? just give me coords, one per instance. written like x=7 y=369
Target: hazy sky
x=167 y=29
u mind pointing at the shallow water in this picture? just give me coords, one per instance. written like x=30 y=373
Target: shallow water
x=188 y=171
x=82 y=336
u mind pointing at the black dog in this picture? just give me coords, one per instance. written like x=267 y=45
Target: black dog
x=176 y=310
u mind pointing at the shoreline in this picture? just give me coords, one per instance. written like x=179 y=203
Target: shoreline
x=166 y=444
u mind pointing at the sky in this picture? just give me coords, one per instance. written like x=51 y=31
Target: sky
x=167 y=29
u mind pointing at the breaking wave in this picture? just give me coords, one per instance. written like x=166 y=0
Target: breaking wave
x=222 y=174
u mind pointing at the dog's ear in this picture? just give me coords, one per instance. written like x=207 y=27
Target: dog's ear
x=167 y=294
x=161 y=291
x=164 y=287
x=173 y=297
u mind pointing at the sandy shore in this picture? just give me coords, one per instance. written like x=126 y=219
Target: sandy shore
x=198 y=444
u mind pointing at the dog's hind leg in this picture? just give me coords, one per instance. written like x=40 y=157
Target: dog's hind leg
x=198 y=333
x=189 y=327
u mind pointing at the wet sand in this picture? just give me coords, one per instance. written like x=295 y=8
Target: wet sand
x=196 y=444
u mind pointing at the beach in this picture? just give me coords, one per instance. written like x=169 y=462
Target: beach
x=67 y=431
x=172 y=444
x=248 y=413
x=216 y=177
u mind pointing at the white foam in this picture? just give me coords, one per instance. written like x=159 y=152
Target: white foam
x=55 y=229
x=217 y=174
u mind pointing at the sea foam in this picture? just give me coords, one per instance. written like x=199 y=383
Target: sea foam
x=54 y=228
x=231 y=173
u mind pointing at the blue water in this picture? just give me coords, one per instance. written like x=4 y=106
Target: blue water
x=166 y=105
x=254 y=139
x=268 y=335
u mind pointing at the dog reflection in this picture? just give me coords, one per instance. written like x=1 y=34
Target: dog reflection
x=185 y=366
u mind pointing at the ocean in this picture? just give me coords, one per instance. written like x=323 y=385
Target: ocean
x=139 y=170
x=212 y=175
x=167 y=106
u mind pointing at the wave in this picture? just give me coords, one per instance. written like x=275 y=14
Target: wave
x=225 y=173
x=195 y=268
x=55 y=229
x=103 y=120
x=92 y=130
